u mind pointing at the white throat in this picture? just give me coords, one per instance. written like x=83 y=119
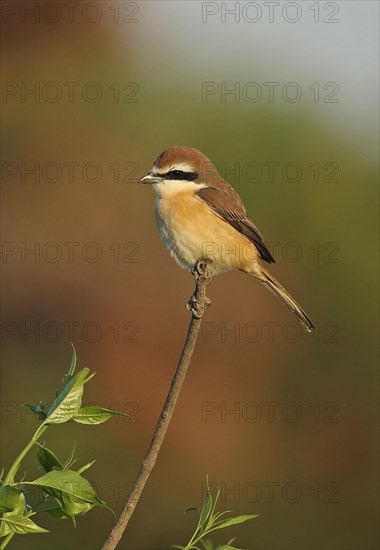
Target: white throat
x=169 y=188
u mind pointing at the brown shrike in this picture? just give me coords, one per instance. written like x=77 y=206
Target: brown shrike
x=201 y=217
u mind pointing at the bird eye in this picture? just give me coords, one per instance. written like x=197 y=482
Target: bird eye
x=181 y=175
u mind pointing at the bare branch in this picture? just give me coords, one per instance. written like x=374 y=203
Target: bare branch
x=197 y=304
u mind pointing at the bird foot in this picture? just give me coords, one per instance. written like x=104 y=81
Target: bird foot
x=202 y=269
x=196 y=307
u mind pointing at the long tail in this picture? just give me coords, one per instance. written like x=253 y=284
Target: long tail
x=279 y=291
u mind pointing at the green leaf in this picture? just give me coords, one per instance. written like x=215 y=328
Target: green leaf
x=207 y=507
x=4 y=528
x=218 y=515
x=73 y=363
x=39 y=410
x=47 y=458
x=70 y=459
x=66 y=482
x=12 y=503
x=69 y=399
x=214 y=516
x=73 y=492
x=21 y=525
x=54 y=509
x=93 y=414
x=228 y=546
x=85 y=467
x=70 y=373
x=232 y=521
x=11 y=500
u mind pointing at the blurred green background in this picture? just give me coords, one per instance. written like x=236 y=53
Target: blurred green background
x=301 y=446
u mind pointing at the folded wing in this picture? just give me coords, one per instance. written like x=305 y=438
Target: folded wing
x=217 y=198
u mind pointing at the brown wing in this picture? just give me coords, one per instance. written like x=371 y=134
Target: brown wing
x=217 y=197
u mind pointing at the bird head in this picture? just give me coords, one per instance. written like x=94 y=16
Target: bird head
x=179 y=169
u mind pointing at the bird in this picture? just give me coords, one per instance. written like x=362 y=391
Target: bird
x=200 y=216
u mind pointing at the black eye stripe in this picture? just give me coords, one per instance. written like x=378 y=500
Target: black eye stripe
x=180 y=175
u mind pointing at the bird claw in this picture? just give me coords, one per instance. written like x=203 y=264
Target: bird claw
x=202 y=269
x=199 y=302
x=196 y=308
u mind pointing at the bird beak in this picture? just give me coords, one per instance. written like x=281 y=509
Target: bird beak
x=151 y=178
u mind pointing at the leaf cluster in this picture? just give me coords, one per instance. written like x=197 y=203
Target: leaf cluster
x=210 y=521
x=65 y=493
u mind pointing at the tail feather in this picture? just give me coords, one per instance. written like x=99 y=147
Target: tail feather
x=279 y=291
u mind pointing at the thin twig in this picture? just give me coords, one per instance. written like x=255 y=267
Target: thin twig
x=197 y=304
